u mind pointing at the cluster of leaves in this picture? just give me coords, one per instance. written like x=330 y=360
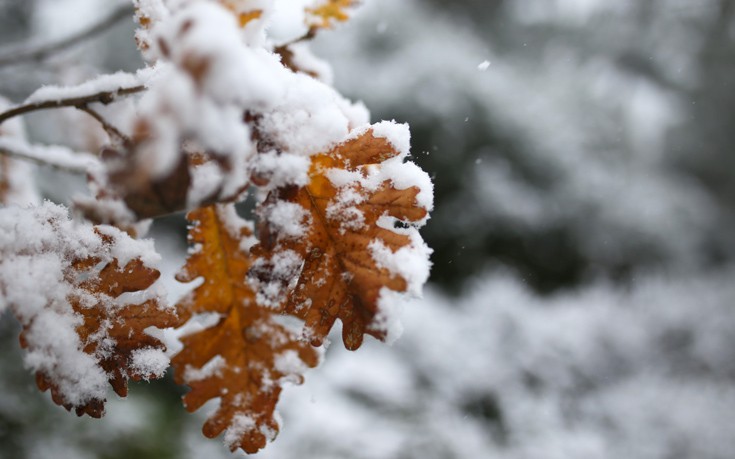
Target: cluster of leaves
x=225 y=107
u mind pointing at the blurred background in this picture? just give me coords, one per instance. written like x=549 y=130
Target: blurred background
x=582 y=298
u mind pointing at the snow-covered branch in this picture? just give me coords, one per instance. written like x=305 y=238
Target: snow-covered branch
x=54 y=156
x=104 y=97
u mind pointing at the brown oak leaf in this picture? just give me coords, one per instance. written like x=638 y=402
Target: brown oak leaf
x=330 y=272
x=246 y=357
x=113 y=331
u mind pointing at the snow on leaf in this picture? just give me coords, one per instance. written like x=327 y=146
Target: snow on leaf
x=246 y=357
x=83 y=295
x=350 y=251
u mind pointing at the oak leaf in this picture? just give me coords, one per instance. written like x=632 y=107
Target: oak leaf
x=113 y=327
x=246 y=357
x=330 y=11
x=331 y=271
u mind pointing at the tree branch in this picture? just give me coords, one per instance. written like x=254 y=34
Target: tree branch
x=56 y=157
x=111 y=130
x=40 y=52
x=104 y=97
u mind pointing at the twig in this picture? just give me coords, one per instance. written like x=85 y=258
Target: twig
x=111 y=130
x=39 y=52
x=105 y=97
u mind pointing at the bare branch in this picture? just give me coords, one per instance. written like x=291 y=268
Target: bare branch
x=57 y=157
x=111 y=130
x=42 y=51
x=104 y=97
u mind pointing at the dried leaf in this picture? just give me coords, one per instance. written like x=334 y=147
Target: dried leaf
x=116 y=307
x=331 y=11
x=245 y=358
x=330 y=272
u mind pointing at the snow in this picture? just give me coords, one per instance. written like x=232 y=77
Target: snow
x=101 y=84
x=54 y=155
x=235 y=225
x=215 y=87
x=410 y=262
x=206 y=180
x=282 y=169
x=18 y=175
x=208 y=76
x=400 y=173
x=241 y=424
x=309 y=119
x=345 y=210
x=290 y=365
x=212 y=368
x=288 y=219
x=287 y=21
x=305 y=60
x=149 y=362
x=396 y=134
x=284 y=269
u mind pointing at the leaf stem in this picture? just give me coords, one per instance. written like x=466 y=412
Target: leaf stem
x=111 y=130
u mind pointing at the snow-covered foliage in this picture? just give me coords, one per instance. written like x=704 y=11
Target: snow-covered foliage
x=220 y=106
x=46 y=264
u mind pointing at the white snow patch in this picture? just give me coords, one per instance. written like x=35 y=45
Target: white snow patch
x=241 y=424
x=410 y=262
x=288 y=219
x=212 y=368
x=282 y=169
x=149 y=362
x=290 y=365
